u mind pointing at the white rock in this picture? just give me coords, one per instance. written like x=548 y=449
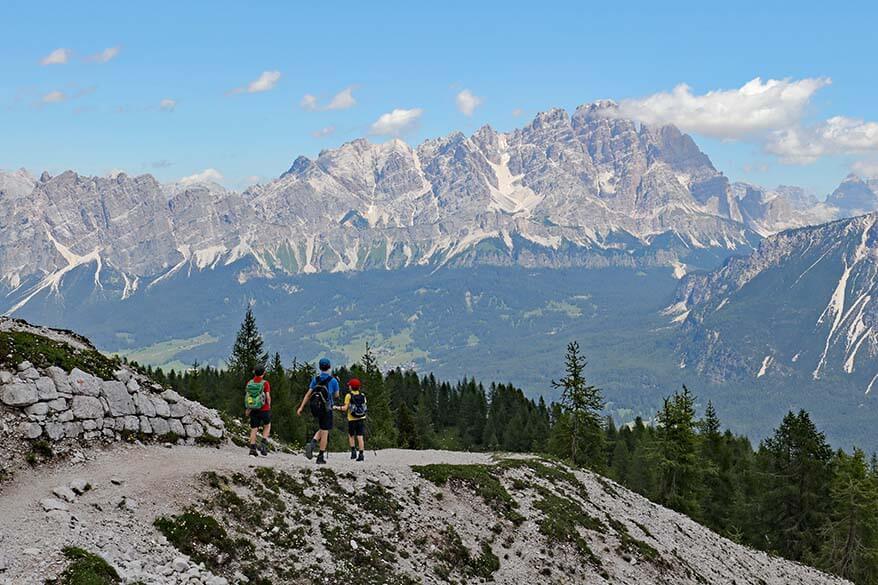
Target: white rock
x=86 y=407
x=19 y=394
x=133 y=386
x=60 y=516
x=118 y=399
x=180 y=565
x=46 y=389
x=59 y=376
x=354 y=544
x=145 y=426
x=89 y=425
x=30 y=374
x=176 y=427
x=25 y=365
x=79 y=486
x=161 y=407
x=213 y=432
x=30 y=430
x=72 y=429
x=194 y=430
x=64 y=493
x=38 y=409
x=53 y=504
x=170 y=396
x=144 y=405
x=65 y=416
x=57 y=405
x=122 y=375
x=55 y=431
x=84 y=383
x=179 y=409
x=159 y=426
x=5 y=377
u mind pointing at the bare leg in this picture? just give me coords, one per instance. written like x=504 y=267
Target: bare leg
x=266 y=430
x=253 y=436
x=324 y=436
x=361 y=441
x=351 y=441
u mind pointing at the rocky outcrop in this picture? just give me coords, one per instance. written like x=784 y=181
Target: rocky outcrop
x=60 y=407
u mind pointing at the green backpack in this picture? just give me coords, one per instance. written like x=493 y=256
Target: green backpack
x=254 y=397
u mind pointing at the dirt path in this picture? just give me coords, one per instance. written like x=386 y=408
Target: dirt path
x=142 y=482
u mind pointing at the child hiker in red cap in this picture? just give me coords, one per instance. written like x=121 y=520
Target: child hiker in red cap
x=355 y=406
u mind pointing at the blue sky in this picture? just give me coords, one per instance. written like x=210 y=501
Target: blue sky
x=98 y=107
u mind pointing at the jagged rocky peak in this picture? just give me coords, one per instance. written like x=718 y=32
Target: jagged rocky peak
x=15 y=184
x=855 y=195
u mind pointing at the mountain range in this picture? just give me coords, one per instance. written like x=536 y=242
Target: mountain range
x=585 y=226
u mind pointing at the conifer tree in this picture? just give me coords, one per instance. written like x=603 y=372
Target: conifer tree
x=678 y=468
x=850 y=536
x=380 y=420
x=582 y=404
x=408 y=437
x=248 y=353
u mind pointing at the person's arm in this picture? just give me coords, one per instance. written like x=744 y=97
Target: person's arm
x=344 y=407
x=268 y=394
x=304 y=402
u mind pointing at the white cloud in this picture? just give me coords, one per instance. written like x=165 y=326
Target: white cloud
x=104 y=56
x=309 y=102
x=467 y=102
x=205 y=176
x=54 y=97
x=56 y=57
x=754 y=108
x=167 y=105
x=397 y=122
x=866 y=168
x=265 y=82
x=324 y=132
x=837 y=135
x=340 y=101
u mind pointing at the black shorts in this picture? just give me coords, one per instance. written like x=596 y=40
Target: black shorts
x=324 y=421
x=259 y=418
x=357 y=428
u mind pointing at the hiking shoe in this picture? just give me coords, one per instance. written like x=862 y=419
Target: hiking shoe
x=309 y=448
x=353 y=454
x=361 y=458
x=253 y=451
x=263 y=448
x=321 y=460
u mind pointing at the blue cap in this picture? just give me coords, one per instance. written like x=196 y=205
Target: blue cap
x=324 y=364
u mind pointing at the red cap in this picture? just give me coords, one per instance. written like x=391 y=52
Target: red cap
x=354 y=383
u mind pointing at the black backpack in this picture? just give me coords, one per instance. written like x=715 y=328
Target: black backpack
x=357 y=406
x=319 y=401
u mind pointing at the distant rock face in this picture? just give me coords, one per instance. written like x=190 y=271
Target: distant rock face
x=827 y=327
x=767 y=212
x=583 y=182
x=855 y=196
x=57 y=405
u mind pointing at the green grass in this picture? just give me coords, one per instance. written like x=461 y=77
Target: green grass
x=480 y=478
x=453 y=556
x=202 y=538
x=18 y=346
x=86 y=568
x=562 y=518
x=162 y=354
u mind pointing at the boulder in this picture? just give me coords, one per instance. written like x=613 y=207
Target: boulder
x=161 y=407
x=89 y=425
x=72 y=429
x=176 y=427
x=55 y=431
x=84 y=383
x=19 y=394
x=122 y=375
x=50 y=504
x=29 y=374
x=38 y=409
x=59 y=376
x=6 y=377
x=194 y=430
x=109 y=423
x=79 y=486
x=132 y=423
x=118 y=399
x=213 y=432
x=179 y=409
x=159 y=426
x=144 y=405
x=108 y=433
x=63 y=492
x=65 y=416
x=145 y=426
x=30 y=430
x=25 y=365
x=171 y=396
x=132 y=386
x=87 y=407
x=46 y=389
x=57 y=405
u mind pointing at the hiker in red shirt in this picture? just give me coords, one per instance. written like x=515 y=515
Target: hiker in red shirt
x=257 y=402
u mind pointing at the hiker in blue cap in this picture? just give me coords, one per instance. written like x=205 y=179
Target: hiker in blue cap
x=322 y=391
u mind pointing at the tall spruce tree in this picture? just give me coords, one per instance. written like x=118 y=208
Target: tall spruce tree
x=795 y=463
x=248 y=353
x=678 y=467
x=582 y=404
